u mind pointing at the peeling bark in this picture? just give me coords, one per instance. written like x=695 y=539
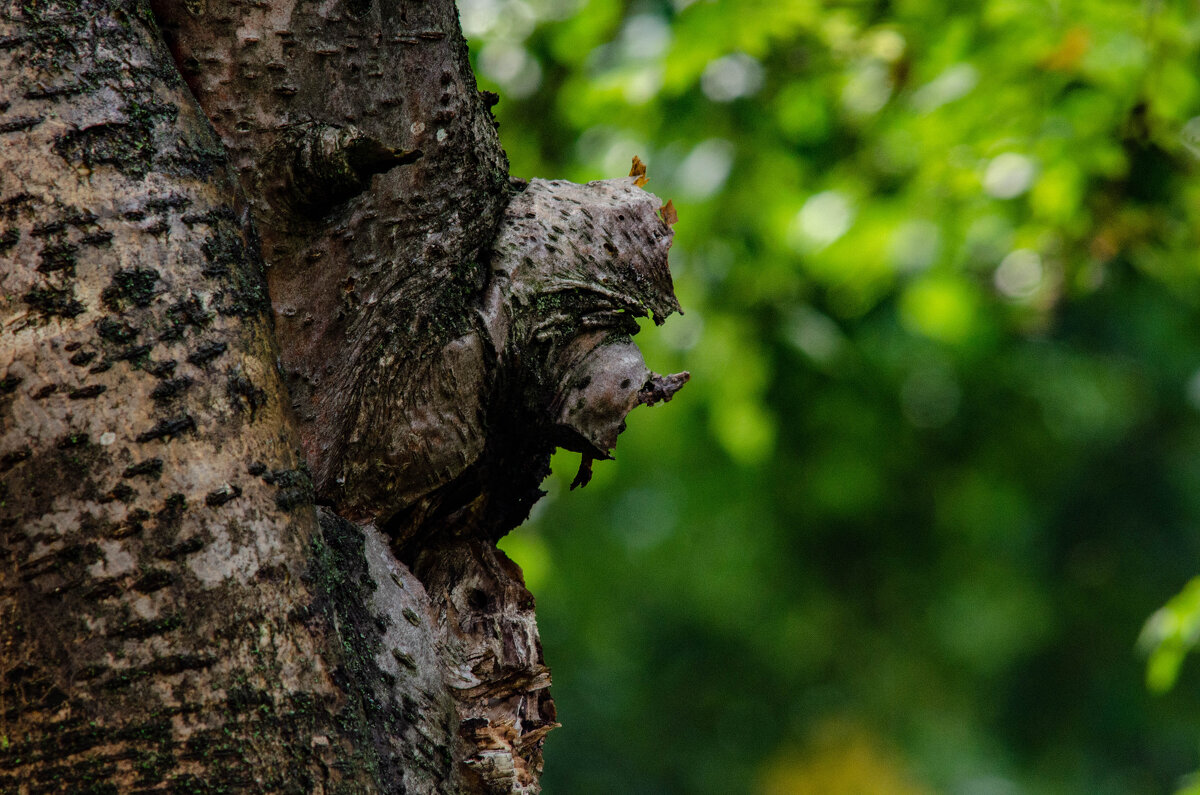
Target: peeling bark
x=174 y=611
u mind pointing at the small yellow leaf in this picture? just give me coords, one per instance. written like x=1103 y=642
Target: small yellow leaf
x=639 y=171
x=669 y=216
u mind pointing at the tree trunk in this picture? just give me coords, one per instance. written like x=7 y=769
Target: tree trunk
x=245 y=549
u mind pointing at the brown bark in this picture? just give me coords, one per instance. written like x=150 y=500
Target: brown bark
x=156 y=624
x=172 y=613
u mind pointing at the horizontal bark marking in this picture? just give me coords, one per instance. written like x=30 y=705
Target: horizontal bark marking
x=152 y=468
x=143 y=628
x=171 y=389
x=87 y=392
x=51 y=302
x=20 y=123
x=206 y=353
x=166 y=429
x=184 y=548
x=222 y=495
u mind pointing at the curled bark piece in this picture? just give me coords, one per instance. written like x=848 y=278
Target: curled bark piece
x=594 y=409
x=604 y=388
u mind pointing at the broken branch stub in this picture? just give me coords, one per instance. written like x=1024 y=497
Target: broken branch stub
x=312 y=168
x=579 y=264
x=551 y=365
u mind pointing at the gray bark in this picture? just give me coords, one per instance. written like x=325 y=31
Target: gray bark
x=284 y=352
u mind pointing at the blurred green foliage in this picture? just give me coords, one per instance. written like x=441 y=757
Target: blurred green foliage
x=940 y=456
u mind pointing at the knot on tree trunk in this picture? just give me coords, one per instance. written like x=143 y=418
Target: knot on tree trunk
x=550 y=364
x=313 y=168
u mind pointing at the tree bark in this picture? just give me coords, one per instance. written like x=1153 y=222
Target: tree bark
x=245 y=549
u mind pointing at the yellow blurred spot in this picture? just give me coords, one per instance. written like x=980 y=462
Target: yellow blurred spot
x=1163 y=669
x=940 y=307
x=1070 y=50
x=842 y=760
x=1057 y=194
x=528 y=550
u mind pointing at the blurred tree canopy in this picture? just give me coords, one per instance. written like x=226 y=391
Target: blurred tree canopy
x=940 y=456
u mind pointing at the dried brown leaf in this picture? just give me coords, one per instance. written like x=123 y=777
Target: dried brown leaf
x=669 y=216
x=639 y=170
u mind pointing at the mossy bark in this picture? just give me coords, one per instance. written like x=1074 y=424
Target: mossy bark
x=284 y=351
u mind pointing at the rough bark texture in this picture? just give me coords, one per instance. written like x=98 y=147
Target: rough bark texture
x=174 y=613
x=373 y=293
x=158 y=626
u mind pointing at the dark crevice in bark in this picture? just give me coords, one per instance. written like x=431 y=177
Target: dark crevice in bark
x=313 y=168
